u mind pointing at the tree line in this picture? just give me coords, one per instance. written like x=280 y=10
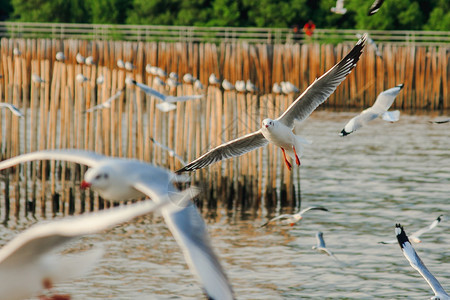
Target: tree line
x=393 y=15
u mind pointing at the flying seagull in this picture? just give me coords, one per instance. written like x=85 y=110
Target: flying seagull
x=440 y=121
x=168 y=101
x=30 y=263
x=375 y=7
x=371 y=42
x=292 y=219
x=379 y=108
x=107 y=103
x=279 y=131
x=339 y=9
x=416 y=263
x=12 y=108
x=415 y=236
x=36 y=78
x=171 y=152
x=118 y=179
x=320 y=246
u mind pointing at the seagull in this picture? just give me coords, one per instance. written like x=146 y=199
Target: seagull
x=60 y=56
x=250 y=87
x=375 y=7
x=371 y=42
x=168 y=101
x=158 y=81
x=279 y=131
x=80 y=58
x=89 y=60
x=171 y=152
x=161 y=73
x=440 y=121
x=320 y=247
x=129 y=66
x=81 y=78
x=213 y=80
x=227 y=86
x=148 y=68
x=276 y=88
x=29 y=263
x=198 y=85
x=188 y=78
x=119 y=179
x=240 y=86
x=107 y=103
x=17 y=52
x=153 y=70
x=416 y=263
x=295 y=218
x=12 y=108
x=171 y=82
x=120 y=64
x=379 y=108
x=339 y=9
x=100 y=79
x=36 y=78
x=173 y=76
x=287 y=87
x=415 y=236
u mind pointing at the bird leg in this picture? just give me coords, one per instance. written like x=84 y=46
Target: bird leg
x=288 y=164
x=297 y=160
x=47 y=283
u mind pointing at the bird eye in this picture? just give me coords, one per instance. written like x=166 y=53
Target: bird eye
x=97 y=177
x=105 y=176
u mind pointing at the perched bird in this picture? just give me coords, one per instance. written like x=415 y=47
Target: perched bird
x=100 y=79
x=107 y=103
x=276 y=88
x=279 y=131
x=375 y=7
x=17 y=52
x=168 y=101
x=213 y=80
x=415 y=236
x=250 y=87
x=161 y=73
x=173 y=76
x=288 y=87
x=371 y=42
x=188 y=78
x=170 y=151
x=320 y=246
x=339 y=9
x=80 y=58
x=171 y=82
x=418 y=265
x=154 y=70
x=81 y=78
x=36 y=78
x=60 y=56
x=240 y=86
x=89 y=60
x=292 y=219
x=158 y=82
x=227 y=86
x=129 y=66
x=118 y=179
x=198 y=85
x=120 y=64
x=12 y=108
x=31 y=257
x=379 y=108
x=148 y=68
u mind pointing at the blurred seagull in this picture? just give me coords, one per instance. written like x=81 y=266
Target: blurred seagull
x=418 y=265
x=89 y=60
x=379 y=108
x=440 y=121
x=161 y=73
x=295 y=218
x=81 y=78
x=17 y=52
x=173 y=76
x=240 y=86
x=415 y=236
x=171 y=82
x=107 y=103
x=276 y=88
x=158 y=82
x=171 y=152
x=339 y=9
x=371 y=42
x=320 y=246
x=227 y=86
x=148 y=68
x=120 y=64
x=279 y=131
x=60 y=56
x=36 y=78
x=287 y=87
x=100 y=79
x=213 y=80
x=153 y=70
x=198 y=85
x=188 y=78
x=12 y=108
x=375 y=7
x=168 y=101
x=129 y=66
x=250 y=87
x=80 y=58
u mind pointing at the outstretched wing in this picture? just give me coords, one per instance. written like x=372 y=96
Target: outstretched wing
x=312 y=208
x=360 y=120
x=149 y=91
x=280 y=217
x=234 y=148
x=172 y=99
x=13 y=109
x=375 y=7
x=323 y=87
x=106 y=103
x=386 y=98
x=415 y=235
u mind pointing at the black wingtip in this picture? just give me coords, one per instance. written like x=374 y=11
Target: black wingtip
x=344 y=133
x=402 y=238
x=401 y=85
x=439 y=218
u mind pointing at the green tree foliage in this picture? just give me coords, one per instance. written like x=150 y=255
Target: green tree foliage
x=108 y=11
x=65 y=11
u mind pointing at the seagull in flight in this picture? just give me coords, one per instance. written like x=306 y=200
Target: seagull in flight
x=379 y=108
x=320 y=246
x=107 y=103
x=415 y=236
x=375 y=7
x=440 y=121
x=279 y=131
x=417 y=264
x=371 y=42
x=171 y=152
x=339 y=9
x=12 y=108
x=292 y=219
x=118 y=179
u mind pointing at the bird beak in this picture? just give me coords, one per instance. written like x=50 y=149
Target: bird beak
x=267 y=126
x=85 y=185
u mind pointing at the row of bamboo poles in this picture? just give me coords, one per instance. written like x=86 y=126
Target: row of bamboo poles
x=55 y=114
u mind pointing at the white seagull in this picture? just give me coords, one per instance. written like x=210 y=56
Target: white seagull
x=100 y=79
x=188 y=78
x=89 y=60
x=168 y=101
x=60 y=56
x=213 y=80
x=36 y=78
x=288 y=87
x=320 y=246
x=379 y=108
x=440 y=121
x=339 y=9
x=375 y=7
x=171 y=82
x=371 y=42
x=12 y=108
x=240 y=86
x=291 y=219
x=148 y=68
x=276 y=88
x=30 y=263
x=415 y=236
x=227 y=86
x=129 y=66
x=16 y=51
x=119 y=179
x=160 y=72
x=170 y=151
x=173 y=75
x=80 y=58
x=81 y=78
x=120 y=64
x=279 y=131
x=250 y=87
x=107 y=103
x=198 y=85
x=416 y=263
x=158 y=81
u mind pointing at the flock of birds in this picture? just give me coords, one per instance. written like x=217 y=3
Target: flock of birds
x=31 y=256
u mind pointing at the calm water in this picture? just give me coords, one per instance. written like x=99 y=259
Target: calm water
x=382 y=174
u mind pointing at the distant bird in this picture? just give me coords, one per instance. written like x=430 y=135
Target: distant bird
x=100 y=79
x=198 y=85
x=170 y=151
x=188 y=78
x=418 y=265
x=89 y=60
x=276 y=88
x=339 y=9
x=153 y=70
x=288 y=87
x=213 y=80
x=295 y=218
x=279 y=131
x=168 y=101
x=415 y=236
x=60 y=56
x=378 y=109
x=148 y=68
x=80 y=58
x=440 y=121
x=227 y=86
x=250 y=87
x=160 y=72
x=321 y=247
x=173 y=76
x=30 y=263
x=371 y=42
x=12 y=108
x=107 y=103
x=120 y=64
x=171 y=82
x=81 y=78
x=158 y=82
x=129 y=66
x=240 y=86
x=36 y=78
x=375 y=7
x=17 y=52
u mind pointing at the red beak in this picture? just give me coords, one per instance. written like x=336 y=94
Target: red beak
x=85 y=185
x=267 y=126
